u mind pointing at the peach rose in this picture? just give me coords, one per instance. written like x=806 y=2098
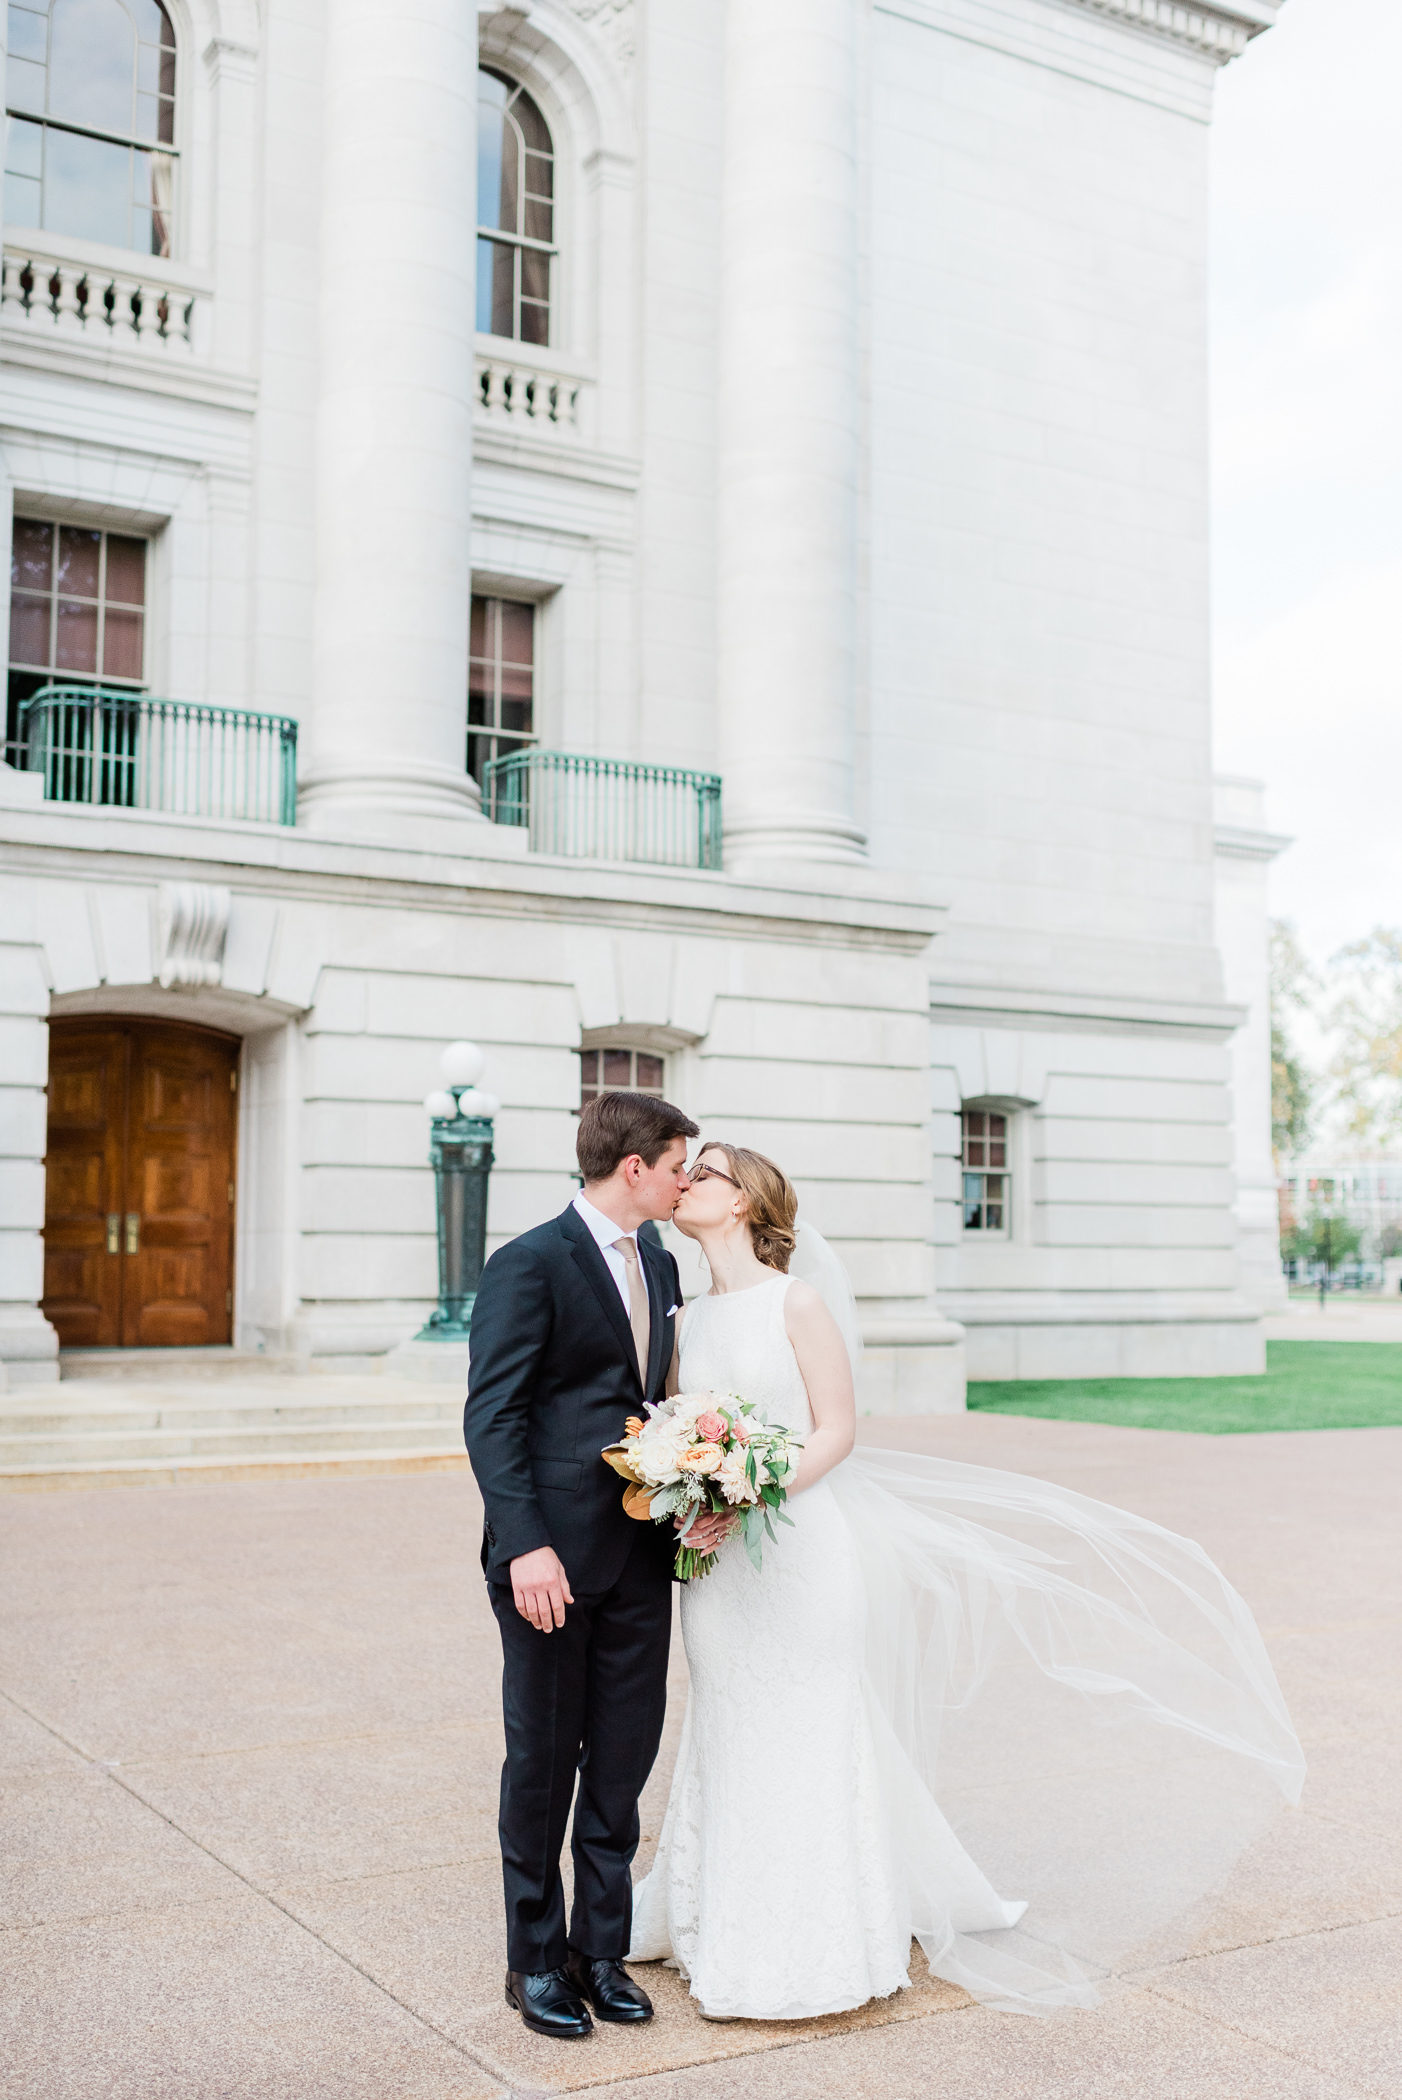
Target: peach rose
x=711 y=1426
x=700 y=1460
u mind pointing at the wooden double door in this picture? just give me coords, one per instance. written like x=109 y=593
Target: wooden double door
x=139 y=1210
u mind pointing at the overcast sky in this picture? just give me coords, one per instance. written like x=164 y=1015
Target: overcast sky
x=1307 y=452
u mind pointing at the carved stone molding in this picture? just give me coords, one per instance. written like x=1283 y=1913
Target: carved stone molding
x=1224 y=30
x=613 y=19
x=192 y=921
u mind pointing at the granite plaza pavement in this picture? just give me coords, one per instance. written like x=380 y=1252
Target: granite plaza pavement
x=250 y=1746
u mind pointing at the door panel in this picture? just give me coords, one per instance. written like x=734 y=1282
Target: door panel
x=85 y=1185
x=139 y=1227
x=179 y=1175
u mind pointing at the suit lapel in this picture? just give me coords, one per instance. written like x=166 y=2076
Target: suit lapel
x=585 y=1249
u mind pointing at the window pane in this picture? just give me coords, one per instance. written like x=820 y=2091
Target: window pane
x=76 y=647
x=126 y=570
x=22 y=201
x=28 y=35
x=121 y=643
x=31 y=556
x=539 y=218
x=92 y=63
x=535 y=275
x=517 y=631
x=975 y=1121
x=618 y=1068
x=532 y=123
x=24 y=84
x=997 y=1153
x=78 y=555
x=502 y=298
x=540 y=174
x=147 y=116
x=29 y=629
x=477 y=627
x=24 y=148
x=649 y=1070
x=86 y=188
x=997 y=1126
x=535 y=325
x=993 y=1217
x=491 y=151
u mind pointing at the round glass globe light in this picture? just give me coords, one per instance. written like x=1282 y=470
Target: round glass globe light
x=440 y=1103
x=486 y=1104
x=462 y=1064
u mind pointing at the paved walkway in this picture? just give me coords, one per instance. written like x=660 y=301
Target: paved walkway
x=250 y=1747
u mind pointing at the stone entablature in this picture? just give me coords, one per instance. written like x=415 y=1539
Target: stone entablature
x=1223 y=31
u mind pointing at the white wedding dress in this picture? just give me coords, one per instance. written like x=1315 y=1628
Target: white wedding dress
x=1084 y=1693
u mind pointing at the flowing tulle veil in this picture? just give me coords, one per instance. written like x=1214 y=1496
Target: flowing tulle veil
x=1072 y=1708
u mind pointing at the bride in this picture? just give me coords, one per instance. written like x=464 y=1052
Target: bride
x=956 y=1705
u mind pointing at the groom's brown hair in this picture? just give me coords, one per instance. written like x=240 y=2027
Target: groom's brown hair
x=615 y=1126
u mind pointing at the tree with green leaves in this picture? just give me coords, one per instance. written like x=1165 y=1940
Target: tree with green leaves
x=1329 y=1241
x=1364 y=1015
x=1294 y=990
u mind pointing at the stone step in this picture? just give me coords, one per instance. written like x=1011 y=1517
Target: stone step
x=295 y=1465
x=42 y=1411
x=264 y=1438
x=160 y=1364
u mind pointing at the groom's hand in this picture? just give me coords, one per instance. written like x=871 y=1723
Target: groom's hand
x=541 y=1588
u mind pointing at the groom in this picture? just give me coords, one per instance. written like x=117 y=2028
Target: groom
x=572 y=1330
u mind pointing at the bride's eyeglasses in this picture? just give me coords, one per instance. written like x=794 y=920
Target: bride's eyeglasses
x=704 y=1173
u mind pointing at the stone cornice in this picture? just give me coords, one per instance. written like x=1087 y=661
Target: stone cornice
x=1223 y=30
x=857 y=908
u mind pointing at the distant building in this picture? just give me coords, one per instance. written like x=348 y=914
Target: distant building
x=670 y=539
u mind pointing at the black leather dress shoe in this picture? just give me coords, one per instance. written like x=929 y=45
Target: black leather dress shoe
x=609 y=1988
x=549 y=2003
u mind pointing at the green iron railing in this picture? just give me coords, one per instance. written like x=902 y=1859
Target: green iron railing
x=124 y=750
x=607 y=808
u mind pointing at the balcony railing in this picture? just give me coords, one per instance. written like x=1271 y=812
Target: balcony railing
x=607 y=808
x=63 y=297
x=124 y=750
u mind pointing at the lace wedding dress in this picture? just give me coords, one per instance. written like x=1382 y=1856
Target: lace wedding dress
x=957 y=1705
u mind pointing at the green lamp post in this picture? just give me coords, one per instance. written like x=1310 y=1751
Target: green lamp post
x=460 y=1154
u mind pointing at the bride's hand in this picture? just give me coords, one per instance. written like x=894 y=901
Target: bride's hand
x=708 y=1531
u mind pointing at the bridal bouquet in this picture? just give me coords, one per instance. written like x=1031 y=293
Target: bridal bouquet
x=701 y=1452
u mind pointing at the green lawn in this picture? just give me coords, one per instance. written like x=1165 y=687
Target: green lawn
x=1308 y=1385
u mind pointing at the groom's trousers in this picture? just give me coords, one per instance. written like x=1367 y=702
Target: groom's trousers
x=585 y=1700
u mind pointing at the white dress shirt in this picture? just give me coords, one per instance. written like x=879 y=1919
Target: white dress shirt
x=605 y=1233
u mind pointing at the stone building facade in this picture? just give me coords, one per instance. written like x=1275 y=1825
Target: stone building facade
x=804 y=393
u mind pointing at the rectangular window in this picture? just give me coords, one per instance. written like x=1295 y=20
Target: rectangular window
x=618 y=1071
x=987 y=1183
x=77 y=610
x=500 y=680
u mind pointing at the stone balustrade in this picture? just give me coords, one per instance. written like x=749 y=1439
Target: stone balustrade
x=127 y=309
x=530 y=396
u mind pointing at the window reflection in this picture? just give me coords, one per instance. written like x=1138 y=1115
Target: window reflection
x=515 y=212
x=90 y=90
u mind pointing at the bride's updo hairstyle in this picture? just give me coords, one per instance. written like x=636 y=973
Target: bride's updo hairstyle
x=771 y=1200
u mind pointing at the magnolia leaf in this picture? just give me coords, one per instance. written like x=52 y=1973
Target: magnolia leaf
x=616 y=1456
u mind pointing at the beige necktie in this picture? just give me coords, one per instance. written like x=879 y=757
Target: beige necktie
x=639 y=1317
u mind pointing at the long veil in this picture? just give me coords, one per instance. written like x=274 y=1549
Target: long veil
x=1078 y=1725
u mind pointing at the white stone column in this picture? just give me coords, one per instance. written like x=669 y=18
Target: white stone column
x=1244 y=852
x=394 y=435
x=789 y=431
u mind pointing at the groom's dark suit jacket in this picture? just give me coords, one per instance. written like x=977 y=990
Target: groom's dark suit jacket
x=553 y=1375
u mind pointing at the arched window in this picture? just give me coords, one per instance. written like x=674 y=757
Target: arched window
x=515 y=212
x=90 y=96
